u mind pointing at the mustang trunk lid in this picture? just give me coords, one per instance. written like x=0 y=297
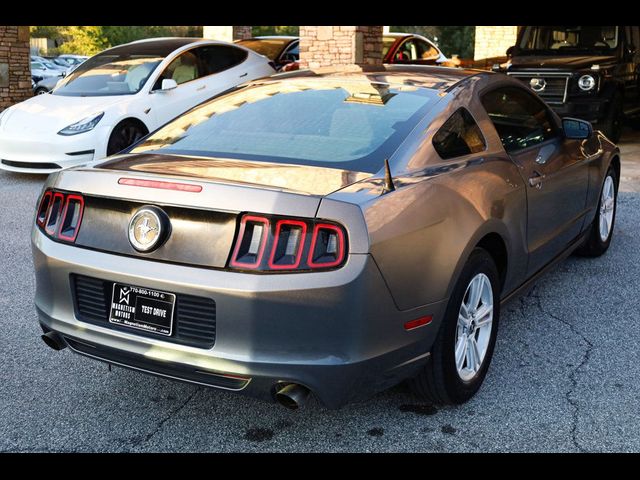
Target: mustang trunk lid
x=203 y=221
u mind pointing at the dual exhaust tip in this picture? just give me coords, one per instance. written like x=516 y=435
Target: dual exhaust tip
x=290 y=395
x=54 y=340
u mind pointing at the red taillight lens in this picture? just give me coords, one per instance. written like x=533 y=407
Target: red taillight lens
x=288 y=243
x=60 y=215
x=252 y=239
x=71 y=218
x=327 y=246
x=43 y=209
x=53 y=216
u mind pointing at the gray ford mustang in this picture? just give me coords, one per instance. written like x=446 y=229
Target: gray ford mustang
x=330 y=233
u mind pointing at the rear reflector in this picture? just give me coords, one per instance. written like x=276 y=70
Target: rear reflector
x=182 y=187
x=418 y=322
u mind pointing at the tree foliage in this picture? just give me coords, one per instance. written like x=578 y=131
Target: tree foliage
x=272 y=30
x=88 y=40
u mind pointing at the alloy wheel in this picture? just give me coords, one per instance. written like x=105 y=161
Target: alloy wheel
x=473 y=331
x=607 y=207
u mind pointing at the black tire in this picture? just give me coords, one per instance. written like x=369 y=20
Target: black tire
x=439 y=382
x=41 y=91
x=611 y=125
x=593 y=245
x=125 y=134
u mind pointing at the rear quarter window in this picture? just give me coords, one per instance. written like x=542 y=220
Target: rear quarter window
x=459 y=136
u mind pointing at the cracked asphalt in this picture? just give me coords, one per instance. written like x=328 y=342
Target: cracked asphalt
x=564 y=377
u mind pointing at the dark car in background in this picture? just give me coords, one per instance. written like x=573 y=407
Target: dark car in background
x=588 y=72
x=282 y=50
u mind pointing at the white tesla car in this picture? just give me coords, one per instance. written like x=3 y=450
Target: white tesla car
x=118 y=96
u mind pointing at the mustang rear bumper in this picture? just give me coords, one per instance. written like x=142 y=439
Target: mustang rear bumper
x=338 y=332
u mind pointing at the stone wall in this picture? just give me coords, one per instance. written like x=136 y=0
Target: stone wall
x=226 y=33
x=494 y=41
x=15 y=66
x=340 y=46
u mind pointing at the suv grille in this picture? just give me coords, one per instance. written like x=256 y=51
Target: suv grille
x=555 y=89
x=194 y=322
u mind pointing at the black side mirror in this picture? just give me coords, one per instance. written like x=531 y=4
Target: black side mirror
x=576 y=129
x=510 y=50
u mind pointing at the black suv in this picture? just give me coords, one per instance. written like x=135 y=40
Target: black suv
x=585 y=72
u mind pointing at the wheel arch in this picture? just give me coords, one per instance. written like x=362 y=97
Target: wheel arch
x=492 y=237
x=127 y=118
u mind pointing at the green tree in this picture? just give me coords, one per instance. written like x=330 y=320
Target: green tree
x=86 y=40
x=273 y=30
x=451 y=40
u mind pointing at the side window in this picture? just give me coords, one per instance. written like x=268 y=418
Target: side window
x=182 y=69
x=520 y=119
x=217 y=58
x=292 y=54
x=425 y=50
x=407 y=52
x=200 y=62
x=458 y=136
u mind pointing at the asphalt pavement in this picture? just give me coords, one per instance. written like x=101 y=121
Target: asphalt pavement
x=564 y=378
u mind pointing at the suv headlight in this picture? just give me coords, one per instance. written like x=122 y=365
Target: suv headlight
x=587 y=83
x=84 y=125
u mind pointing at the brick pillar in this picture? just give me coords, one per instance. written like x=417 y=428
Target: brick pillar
x=227 y=34
x=494 y=41
x=15 y=67
x=341 y=47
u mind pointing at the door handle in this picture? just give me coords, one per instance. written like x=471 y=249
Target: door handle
x=244 y=74
x=536 y=179
x=201 y=88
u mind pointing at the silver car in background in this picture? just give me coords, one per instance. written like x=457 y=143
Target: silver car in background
x=325 y=233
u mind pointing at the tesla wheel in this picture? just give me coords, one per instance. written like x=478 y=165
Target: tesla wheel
x=41 y=91
x=611 y=126
x=462 y=351
x=125 y=134
x=601 y=232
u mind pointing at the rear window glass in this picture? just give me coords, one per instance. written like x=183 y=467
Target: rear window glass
x=353 y=126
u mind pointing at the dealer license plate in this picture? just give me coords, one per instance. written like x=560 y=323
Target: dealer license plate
x=142 y=309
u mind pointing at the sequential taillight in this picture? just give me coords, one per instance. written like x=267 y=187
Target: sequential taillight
x=276 y=244
x=60 y=215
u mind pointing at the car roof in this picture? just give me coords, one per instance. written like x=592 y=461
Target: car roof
x=159 y=46
x=421 y=76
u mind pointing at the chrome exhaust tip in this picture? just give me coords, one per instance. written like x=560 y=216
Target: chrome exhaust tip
x=292 y=396
x=54 y=340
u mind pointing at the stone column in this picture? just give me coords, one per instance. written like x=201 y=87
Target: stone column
x=341 y=47
x=494 y=41
x=227 y=34
x=15 y=67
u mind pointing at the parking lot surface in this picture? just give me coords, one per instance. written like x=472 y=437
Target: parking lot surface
x=564 y=377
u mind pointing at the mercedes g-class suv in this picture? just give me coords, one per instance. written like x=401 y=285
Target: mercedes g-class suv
x=586 y=72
